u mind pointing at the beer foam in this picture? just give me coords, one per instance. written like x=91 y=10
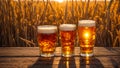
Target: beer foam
x=67 y=27
x=47 y=29
x=88 y=23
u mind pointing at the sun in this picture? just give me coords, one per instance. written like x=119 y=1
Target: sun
x=60 y=1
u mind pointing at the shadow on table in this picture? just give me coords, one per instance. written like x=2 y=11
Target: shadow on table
x=67 y=62
x=43 y=62
x=115 y=62
x=90 y=62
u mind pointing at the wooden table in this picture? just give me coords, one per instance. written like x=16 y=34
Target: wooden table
x=28 y=57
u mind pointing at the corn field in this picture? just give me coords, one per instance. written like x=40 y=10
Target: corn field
x=19 y=20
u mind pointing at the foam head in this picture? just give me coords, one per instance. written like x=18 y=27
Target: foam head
x=88 y=23
x=67 y=27
x=47 y=29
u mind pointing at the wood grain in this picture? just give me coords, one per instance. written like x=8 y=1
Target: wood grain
x=34 y=51
x=28 y=57
x=59 y=62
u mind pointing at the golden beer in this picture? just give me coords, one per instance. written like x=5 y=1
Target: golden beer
x=47 y=37
x=67 y=37
x=86 y=32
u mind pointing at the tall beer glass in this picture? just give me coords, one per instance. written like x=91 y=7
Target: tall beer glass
x=47 y=37
x=86 y=32
x=67 y=39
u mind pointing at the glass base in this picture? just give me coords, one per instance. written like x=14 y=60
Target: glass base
x=47 y=55
x=84 y=55
x=70 y=55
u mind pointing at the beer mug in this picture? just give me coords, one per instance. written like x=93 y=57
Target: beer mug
x=67 y=39
x=86 y=32
x=47 y=39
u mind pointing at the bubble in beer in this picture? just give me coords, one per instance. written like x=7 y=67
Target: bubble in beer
x=47 y=29
x=88 y=23
x=67 y=27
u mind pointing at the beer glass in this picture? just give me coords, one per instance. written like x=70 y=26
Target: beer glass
x=86 y=32
x=67 y=39
x=47 y=38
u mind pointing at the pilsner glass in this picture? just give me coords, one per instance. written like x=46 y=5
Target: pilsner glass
x=86 y=32
x=67 y=39
x=47 y=38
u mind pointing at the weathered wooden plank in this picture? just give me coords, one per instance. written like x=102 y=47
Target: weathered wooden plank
x=27 y=57
x=34 y=51
x=60 y=62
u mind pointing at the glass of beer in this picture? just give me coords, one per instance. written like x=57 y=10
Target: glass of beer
x=86 y=32
x=67 y=39
x=47 y=39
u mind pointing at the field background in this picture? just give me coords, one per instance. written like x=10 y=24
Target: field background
x=19 y=19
